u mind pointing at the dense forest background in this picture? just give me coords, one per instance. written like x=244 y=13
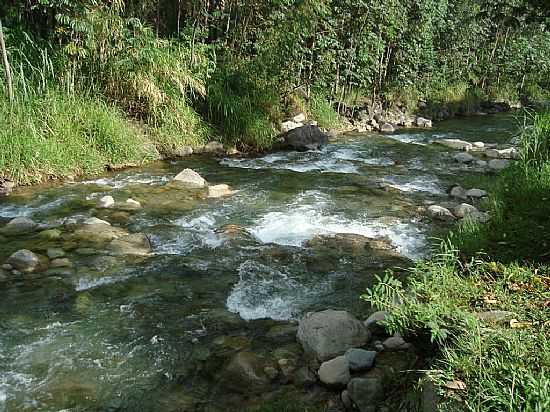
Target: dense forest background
x=177 y=72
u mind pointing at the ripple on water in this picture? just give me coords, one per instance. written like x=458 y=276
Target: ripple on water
x=119 y=181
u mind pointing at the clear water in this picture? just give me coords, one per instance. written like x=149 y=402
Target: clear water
x=144 y=334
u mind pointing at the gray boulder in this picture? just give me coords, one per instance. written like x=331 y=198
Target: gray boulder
x=360 y=359
x=190 y=178
x=458 y=192
x=24 y=261
x=463 y=157
x=19 y=226
x=335 y=372
x=304 y=138
x=330 y=333
x=476 y=193
x=464 y=209
x=440 y=213
x=373 y=322
x=366 y=392
x=395 y=342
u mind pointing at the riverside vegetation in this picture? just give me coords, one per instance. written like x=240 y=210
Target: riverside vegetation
x=99 y=83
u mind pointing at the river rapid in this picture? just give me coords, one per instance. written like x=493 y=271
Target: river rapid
x=153 y=333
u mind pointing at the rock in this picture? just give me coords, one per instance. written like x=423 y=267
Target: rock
x=373 y=321
x=55 y=253
x=97 y=233
x=287 y=367
x=213 y=147
x=459 y=192
x=479 y=145
x=395 y=342
x=304 y=377
x=476 y=193
x=387 y=128
x=136 y=244
x=24 y=261
x=464 y=209
x=423 y=122
x=335 y=372
x=19 y=226
x=299 y=118
x=290 y=125
x=182 y=151
x=463 y=157
x=245 y=373
x=120 y=217
x=360 y=359
x=95 y=221
x=510 y=153
x=499 y=164
x=440 y=213
x=190 y=178
x=481 y=163
x=105 y=202
x=6 y=187
x=366 y=392
x=492 y=153
x=305 y=138
x=330 y=333
x=455 y=144
x=217 y=191
x=61 y=263
x=7 y=266
x=282 y=332
x=133 y=203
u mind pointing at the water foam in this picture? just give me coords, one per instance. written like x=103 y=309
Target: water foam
x=309 y=216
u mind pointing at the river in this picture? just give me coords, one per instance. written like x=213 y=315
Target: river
x=152 y=333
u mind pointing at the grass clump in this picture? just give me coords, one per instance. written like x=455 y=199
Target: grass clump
x=54 y=135
x=323 y=112
x=484 y=300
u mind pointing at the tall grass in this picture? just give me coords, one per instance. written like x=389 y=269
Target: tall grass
x=55 y=135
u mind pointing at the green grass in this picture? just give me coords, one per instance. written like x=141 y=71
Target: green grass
x=500 y=266
x=322 y=111
x=54 y=135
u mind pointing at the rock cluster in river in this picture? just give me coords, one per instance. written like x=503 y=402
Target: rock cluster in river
x=453 y=211
x=188 y=178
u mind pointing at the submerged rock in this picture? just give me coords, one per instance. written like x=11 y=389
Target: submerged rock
x=455 y=144
x=335 y=372
x=304 y=138
x=97 y=233
x=136 y=244
x=498 y=164
x=245 y=373
x=19 y=226
x=190 y=178
x=221 y=190
x=24 y=261
x=330 y=333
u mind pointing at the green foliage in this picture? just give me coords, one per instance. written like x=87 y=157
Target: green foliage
x=54 y=136
x=499 y=266
x=322 y=111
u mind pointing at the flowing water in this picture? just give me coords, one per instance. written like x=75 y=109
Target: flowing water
x=153 y=333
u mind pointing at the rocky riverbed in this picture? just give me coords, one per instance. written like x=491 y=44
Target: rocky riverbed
x=223 y=283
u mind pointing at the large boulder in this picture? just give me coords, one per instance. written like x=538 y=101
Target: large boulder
x=305 y=138
x=360 y=359
x=190 y=178
x=19 y=226
x=327 y=334
x=24 y=261
x=335 y=372
x=245 y=373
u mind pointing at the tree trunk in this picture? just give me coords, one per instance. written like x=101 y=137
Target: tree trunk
x=6 y=63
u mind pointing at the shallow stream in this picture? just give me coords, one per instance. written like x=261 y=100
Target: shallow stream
x=153 y=333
